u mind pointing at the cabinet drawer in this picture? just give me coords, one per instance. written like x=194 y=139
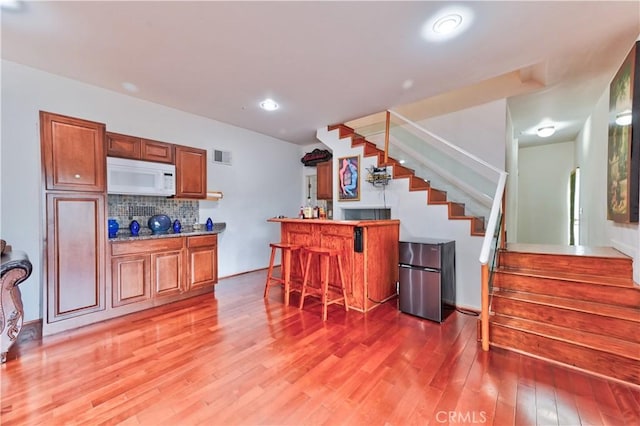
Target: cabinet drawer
x=202 y=241
x=146 y=246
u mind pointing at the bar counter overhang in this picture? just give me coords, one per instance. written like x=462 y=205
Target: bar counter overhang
x=369 y=251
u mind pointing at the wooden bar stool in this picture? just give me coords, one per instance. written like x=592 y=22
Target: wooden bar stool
x=285 y=268
x=326 y=290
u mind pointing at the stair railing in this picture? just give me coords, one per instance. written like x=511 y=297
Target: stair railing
x=483 y=181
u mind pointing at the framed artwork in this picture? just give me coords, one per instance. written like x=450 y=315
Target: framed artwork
x=624 y=141
x=349 y=178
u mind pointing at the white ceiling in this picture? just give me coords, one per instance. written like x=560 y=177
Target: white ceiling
x=327 y=62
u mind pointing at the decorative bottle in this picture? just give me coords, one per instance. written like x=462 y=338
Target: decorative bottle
x=113 y=227
x=134 y=227
x=209 y=224
x=177 y=226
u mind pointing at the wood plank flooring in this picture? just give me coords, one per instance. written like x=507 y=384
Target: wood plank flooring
x=235 y=358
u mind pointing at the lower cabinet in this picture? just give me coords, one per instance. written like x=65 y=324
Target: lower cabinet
x=203 y=261
x=157 y=271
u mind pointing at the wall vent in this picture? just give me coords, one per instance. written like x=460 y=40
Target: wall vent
x=220 y=157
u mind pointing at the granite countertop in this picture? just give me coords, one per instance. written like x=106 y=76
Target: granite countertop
x=187 y=231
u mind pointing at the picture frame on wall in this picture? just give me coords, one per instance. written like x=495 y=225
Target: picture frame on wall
x=623 y=157
x=349 y=178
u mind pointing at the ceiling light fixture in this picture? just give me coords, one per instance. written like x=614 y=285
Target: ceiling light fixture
x=546 y=131
x=447 y=23
x=269 y=105
x=130 y=87
x=623 y=118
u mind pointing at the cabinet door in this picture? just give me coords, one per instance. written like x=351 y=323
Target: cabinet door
x=130 y=279
x=160 y=152
x=73 y=153
x=324 y=180
x=167 y=272
x=123 y=146
x=203 y=261
x=191 y=172
x=75 y=255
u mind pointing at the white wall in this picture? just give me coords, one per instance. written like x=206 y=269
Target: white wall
x=264 y=180
x=417 y=218
x=591 y=157
x=543 y=186
x=511 y=224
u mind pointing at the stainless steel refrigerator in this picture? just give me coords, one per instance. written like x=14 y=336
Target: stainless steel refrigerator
x=427 y=286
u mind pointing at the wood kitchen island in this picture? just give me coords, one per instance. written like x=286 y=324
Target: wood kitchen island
x=371 y=268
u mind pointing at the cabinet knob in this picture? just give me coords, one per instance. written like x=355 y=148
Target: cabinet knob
x=77 y=176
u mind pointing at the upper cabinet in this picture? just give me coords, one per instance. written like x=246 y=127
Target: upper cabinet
x=73 y=153
x=138 y=149
x=324 y=180
x=191 y=172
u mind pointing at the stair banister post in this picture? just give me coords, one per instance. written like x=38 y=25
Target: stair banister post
x=386 y=138
x=484 y=315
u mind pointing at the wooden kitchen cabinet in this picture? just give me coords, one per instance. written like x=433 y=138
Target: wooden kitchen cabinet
x=202 y=252
x=136 y=148
x=130 y=277
x=73 y=153
x=145 y=269
x=75 y=284
x=324 y=179
x=191 y=172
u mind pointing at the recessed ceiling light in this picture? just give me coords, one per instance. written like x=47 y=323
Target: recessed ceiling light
x=623 y=118
x=546 y=131
x=402 y=161
x=269 y=105
x=407 y=84
x=447 y=23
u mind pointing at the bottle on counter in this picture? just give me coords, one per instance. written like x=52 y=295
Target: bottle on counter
x=316 y=212
x=301 y=214
x=113 y=227
x=134 y=227
x=209 y=224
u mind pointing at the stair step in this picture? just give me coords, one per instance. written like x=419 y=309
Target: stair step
x=370 y=150
x=479 y=227
x=401 y=171
x=604 y=355
x=615 y=291
x=616 y=321
x=418 y=184
x=437 y=196
x=344 y=131
x=609 y=263
x=456 y=209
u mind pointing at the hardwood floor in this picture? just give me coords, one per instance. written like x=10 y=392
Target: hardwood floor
x=235 y=358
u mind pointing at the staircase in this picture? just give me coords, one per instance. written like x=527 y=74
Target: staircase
x=456 y=210
x=574 y=306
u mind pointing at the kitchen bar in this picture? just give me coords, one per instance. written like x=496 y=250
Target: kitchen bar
x=369 y=251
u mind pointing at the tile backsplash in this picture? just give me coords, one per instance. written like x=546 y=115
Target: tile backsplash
x=125 y=208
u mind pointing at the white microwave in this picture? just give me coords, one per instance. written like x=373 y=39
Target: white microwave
x=134 y=177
